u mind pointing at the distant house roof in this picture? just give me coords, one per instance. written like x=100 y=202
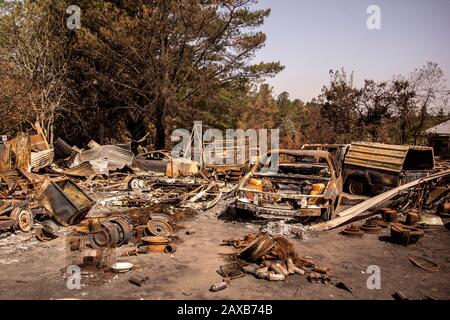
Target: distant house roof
x=442 y=129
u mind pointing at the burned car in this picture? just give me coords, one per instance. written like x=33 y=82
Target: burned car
x=305 y=183
x=162 y=162
x=373 y=168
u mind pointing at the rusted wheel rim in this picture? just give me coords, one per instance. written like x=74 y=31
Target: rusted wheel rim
x=159 y=228
x=156 y=240
x=24 y=219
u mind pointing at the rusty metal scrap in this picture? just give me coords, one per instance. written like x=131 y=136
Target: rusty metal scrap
x=352 y=231
x=158 y=227
x=65 y=201
x=5 y=157
x=298 y=188
x=23 y=153
x=381 y=156
x=424 y=264
x=41 y=159
x=62 y=149
x=274 y=258
x=356 y=210
x=405 y=235
x=118 y=157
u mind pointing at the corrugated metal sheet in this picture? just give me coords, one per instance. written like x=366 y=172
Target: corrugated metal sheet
x=73 y=160
x=42 y=159
x=377 y=156
x=62 y=149
x=100 y=166
x=89 y=168
x=82 y=170
x=117 y=156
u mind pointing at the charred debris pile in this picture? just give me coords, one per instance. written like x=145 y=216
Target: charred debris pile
x=106 y=196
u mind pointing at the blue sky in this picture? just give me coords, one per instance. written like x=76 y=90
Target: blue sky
x=310 y=37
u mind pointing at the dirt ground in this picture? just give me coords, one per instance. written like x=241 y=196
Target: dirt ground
x=34 y=270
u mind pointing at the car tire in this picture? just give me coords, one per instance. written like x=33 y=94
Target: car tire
x=356 y=186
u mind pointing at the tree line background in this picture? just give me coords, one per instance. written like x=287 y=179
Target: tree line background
x=151 y=66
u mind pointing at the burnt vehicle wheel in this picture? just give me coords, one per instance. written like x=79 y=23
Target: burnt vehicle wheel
x=356 y=186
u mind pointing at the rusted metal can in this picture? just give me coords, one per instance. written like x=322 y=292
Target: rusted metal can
x=299 y=270
x=262 y=273
x=326 y=279
x=389 y=215
x=170 y=248
x=267 y=263
x=320 y=269
x=290 y=266
x=412 y=218
x=276 y=277
x=249 y=269
x=313 y=278
x=218 y=287
x=278 y=268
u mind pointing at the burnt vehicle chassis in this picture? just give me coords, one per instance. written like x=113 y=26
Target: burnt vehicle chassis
x=298 y=190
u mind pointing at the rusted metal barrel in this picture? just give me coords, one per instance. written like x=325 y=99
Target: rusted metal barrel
x=290 y=266
x=412 y=218
x=299 y=270
x=276 y=277
x=278 y=268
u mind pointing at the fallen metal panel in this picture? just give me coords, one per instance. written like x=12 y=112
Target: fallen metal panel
x=73 y=160
x=117 y=157
x=100 y=166
x=381 y=156
x=93 y=144
x=352 y=212
x=89 y=168
x=42 y=159
x=84 y=169
x=62 y=149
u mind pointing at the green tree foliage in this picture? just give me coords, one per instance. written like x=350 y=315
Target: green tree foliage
x=162 y=62
x=33 y=68
x=135 y=66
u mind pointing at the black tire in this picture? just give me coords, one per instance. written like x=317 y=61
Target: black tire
x=356 y=186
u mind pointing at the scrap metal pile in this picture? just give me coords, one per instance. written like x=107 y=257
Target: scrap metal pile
x=140 y=198
x=47 y=186
x=274 y=259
